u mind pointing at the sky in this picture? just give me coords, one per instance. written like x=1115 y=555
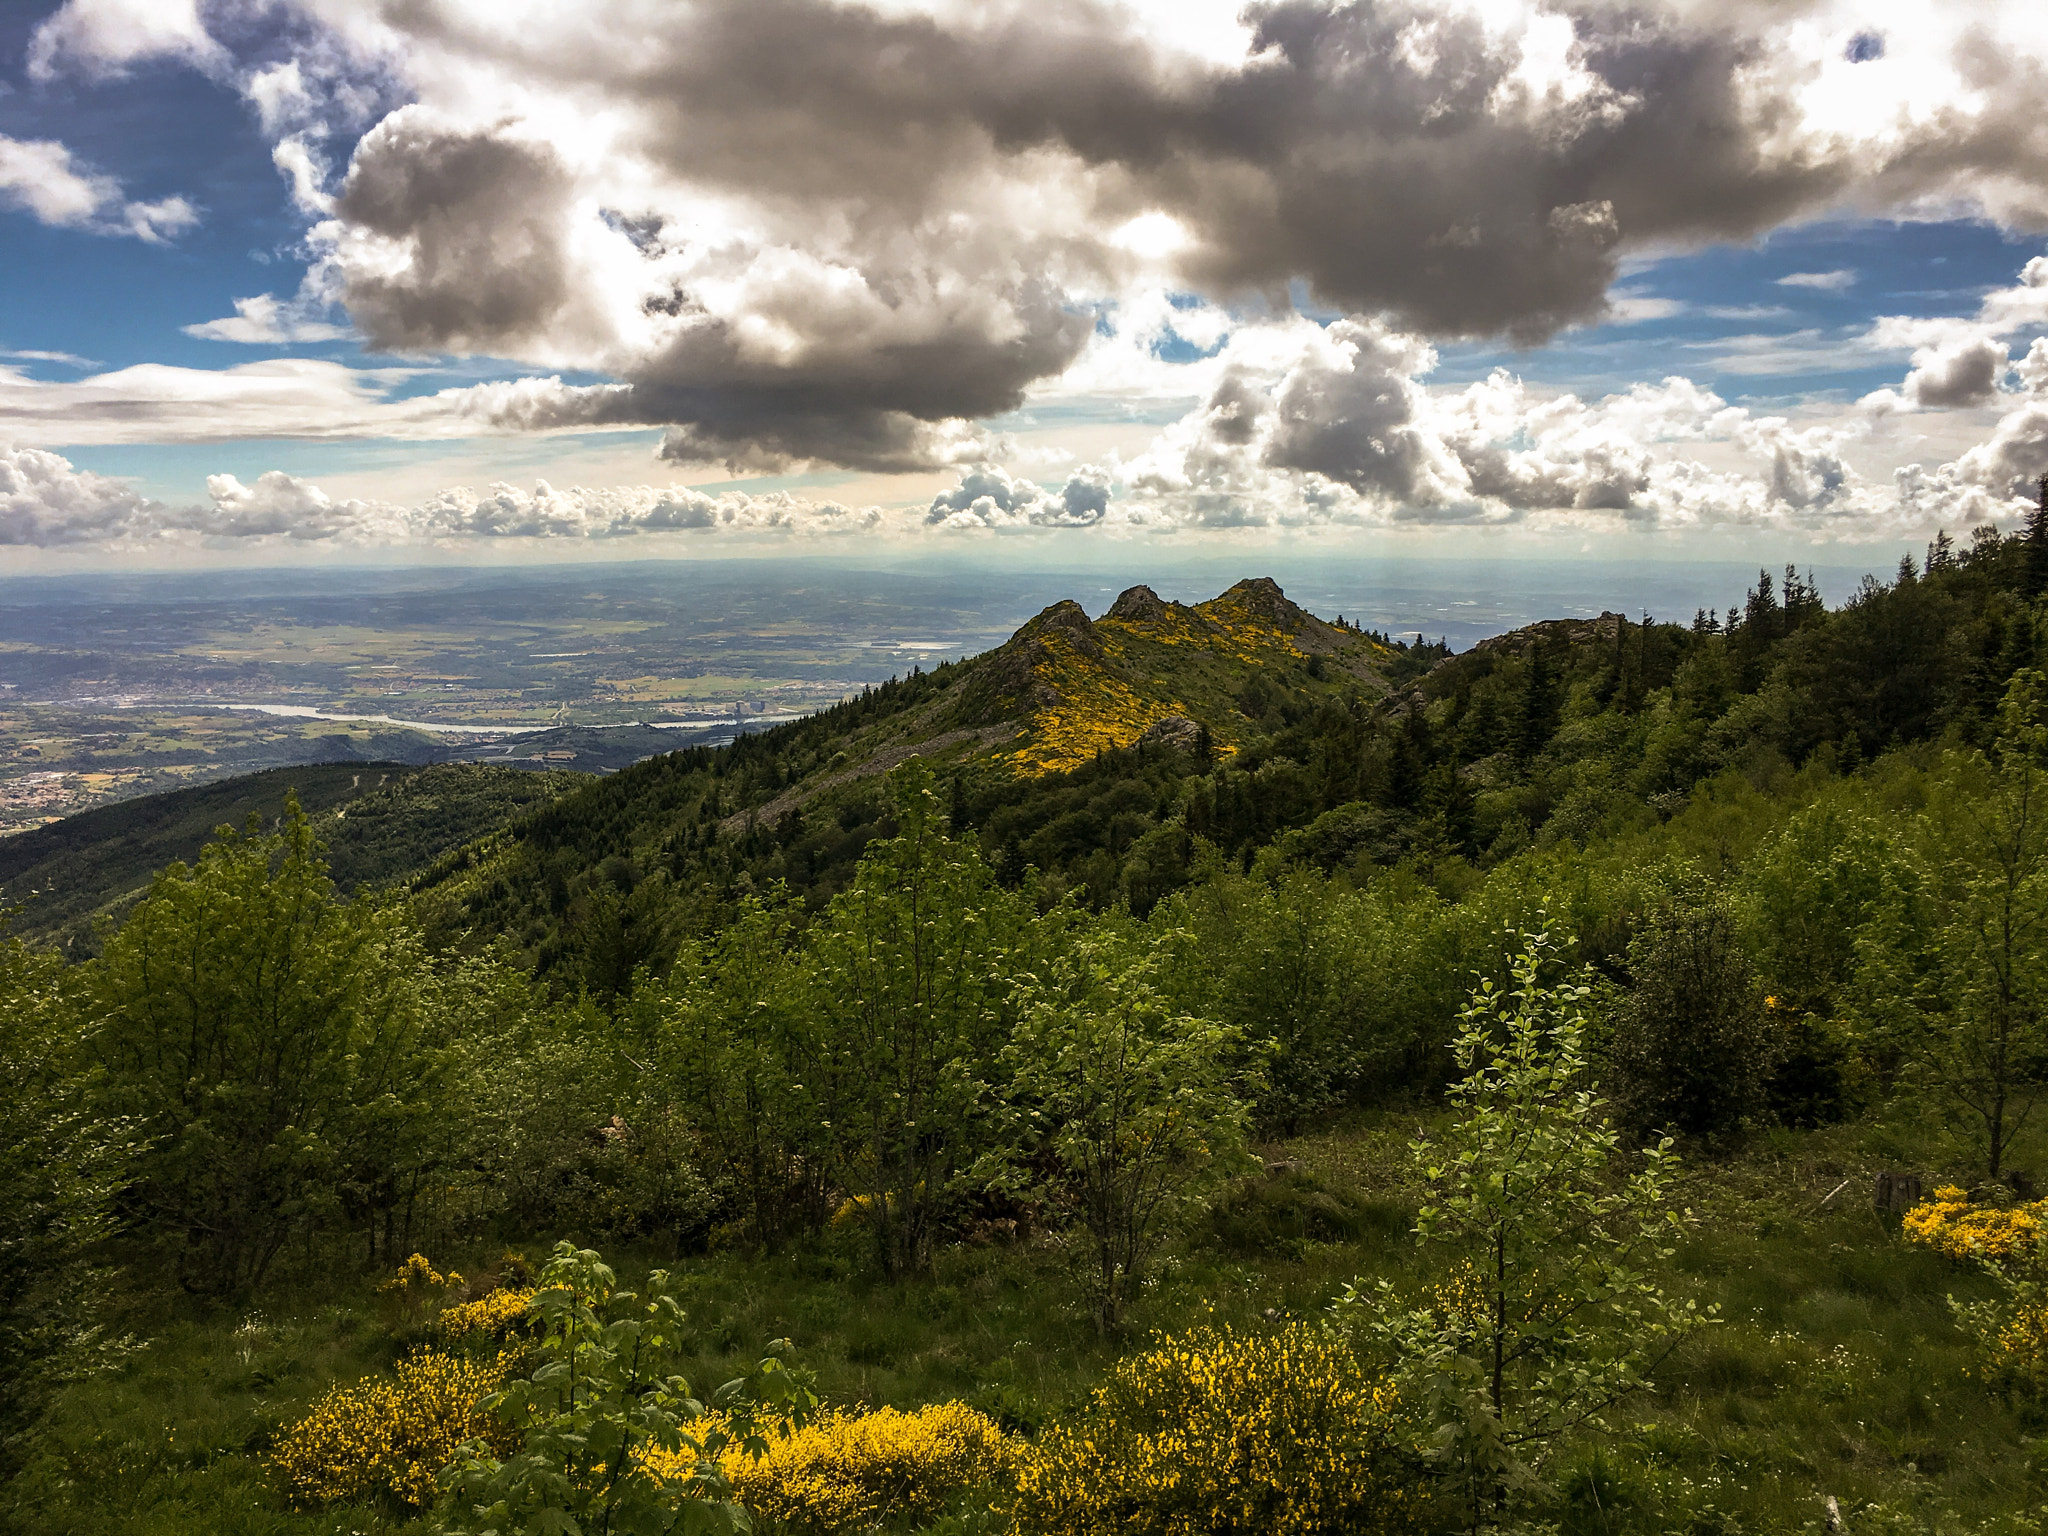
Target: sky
x=348 y=280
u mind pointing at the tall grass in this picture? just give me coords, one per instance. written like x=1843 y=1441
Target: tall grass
x=1837 y=1371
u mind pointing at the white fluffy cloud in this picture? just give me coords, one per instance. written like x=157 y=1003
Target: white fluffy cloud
x=267 y=321
x=45 y=180
x=45 y=501
x=48 y=502
x=989 y=498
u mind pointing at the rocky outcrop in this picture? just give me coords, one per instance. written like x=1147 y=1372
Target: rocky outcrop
x=1518 y=642
x=1176 y=733
x=1009 y=681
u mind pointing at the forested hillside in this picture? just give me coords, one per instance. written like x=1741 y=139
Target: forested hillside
x=380 y=822
x=1203 y=1068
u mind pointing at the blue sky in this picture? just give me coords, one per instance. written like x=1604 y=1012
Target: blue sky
x=294 y=279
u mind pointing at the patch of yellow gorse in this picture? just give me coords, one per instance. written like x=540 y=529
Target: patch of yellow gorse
x=851 y=1472
x=1950 y=1224
x=393 y=1434
x=495 y=1314
x=1219 y=1433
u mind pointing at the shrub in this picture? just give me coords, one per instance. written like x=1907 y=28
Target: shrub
x=496 y=1315
x=856 y=1471
x=392 y=1434
x=1950 y=1224
x=605 y=1438
x=1221 y=1432
x=2012 y=1329
x=1694 y=1048
x=409 y=1293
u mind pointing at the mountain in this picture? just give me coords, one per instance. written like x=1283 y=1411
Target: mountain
x=1067 y=741
x=381 y=821
x=1116 y=759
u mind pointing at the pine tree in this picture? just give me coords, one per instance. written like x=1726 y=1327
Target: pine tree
x=2035 y=577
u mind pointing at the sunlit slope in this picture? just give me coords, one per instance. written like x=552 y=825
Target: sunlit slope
x=1075 y=689
x=1214 y=678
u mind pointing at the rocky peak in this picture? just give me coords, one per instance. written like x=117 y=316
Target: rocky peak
x=1137 y=605
x=1261 y=597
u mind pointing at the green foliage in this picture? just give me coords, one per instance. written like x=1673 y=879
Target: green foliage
x=1340 y=988
x=736 y=1037
x=382 y=822
x=1551 y=1314
x=908 y=974
x=1694 y=1048
x=612 y=1439
x=62 y=1165
x=271 y=1042
x=1988 y=1047
x=1142 y=1108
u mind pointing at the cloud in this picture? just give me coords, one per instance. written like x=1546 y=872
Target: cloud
x=1826 y=282
x=1965 y=372
x=804 y=231
x=1348 y=433
x=30 y=355
x=287 y=397
x=43 y=179
x=282 y=505
x=104 y=39
x=989 y=498
x=267 y=321
x=45 y=501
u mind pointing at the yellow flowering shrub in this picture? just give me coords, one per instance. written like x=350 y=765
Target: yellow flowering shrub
x=1949 y=1224
x=1222 y=1432
x=417 y=1283
x=852 y=1471
x=496 y=1314
x=393 y=1434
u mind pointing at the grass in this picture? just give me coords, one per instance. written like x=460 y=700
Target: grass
x=1836 y=1370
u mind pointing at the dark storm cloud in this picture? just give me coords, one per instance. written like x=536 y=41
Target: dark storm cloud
x=487 y=221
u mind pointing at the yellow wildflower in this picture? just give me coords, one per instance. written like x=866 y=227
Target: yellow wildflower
x=1949 y=1224
x=393 y=1434
x=1226 y=1433
x=852 y=1471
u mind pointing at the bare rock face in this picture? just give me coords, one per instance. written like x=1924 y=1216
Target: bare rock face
x=1010 y=681
x=1262 y=597
x=1068 y=618
x=1139 y=605
x=1176 y=732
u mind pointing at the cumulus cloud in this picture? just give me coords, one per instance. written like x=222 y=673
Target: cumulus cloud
x=801 y=230
x=987 y=497
x=42 y=178
x=103 y=39
x=45 y=501
x=1349 y=432
x=48 y=502
x=1959 y=361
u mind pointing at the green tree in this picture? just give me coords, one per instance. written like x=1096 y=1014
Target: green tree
x=614 y=1442
x=1987 y=1049
x=1142 y=1107
x=269 y=1040
x=62 y=1164
x=733 y=1033
x=1549 y=1313
x=910 y=975
x=1693 y=1047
